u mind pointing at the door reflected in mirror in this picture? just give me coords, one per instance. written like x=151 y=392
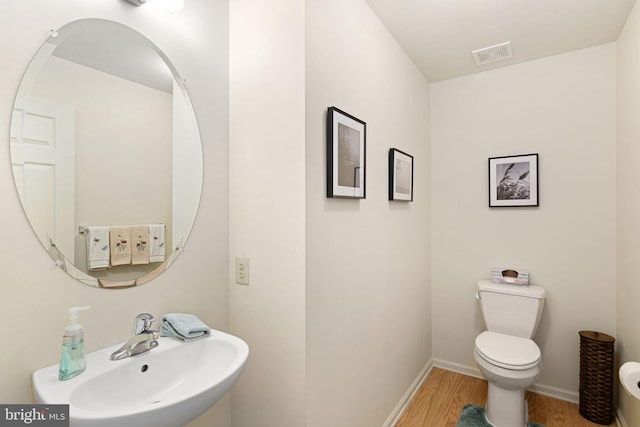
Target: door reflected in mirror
x=103 y=135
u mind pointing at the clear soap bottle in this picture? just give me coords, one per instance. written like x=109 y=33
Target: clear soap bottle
x=72 y=357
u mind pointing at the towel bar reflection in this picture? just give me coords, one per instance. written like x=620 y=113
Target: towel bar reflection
x=84 y=229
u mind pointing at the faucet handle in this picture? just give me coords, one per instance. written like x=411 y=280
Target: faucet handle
x=143 y=323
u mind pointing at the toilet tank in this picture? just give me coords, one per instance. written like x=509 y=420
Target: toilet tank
x=510 y=309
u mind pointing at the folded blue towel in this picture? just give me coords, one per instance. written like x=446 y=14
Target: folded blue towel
x=185 y=326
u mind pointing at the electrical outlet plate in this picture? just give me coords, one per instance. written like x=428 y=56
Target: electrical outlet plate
x=242 y=270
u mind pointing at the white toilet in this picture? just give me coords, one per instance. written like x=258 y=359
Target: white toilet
x=505 y=353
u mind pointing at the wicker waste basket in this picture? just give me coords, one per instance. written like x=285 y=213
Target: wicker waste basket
x=596 y=377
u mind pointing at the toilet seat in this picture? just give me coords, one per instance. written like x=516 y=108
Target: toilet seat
x=508 y=352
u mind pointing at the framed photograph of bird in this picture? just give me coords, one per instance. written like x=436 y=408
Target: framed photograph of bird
x=513 y=181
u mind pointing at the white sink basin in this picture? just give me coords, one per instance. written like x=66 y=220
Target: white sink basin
x=167 y=386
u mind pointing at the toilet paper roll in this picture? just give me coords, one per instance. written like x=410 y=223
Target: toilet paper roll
x=630 y=378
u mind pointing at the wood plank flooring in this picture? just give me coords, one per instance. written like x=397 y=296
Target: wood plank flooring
x=443 y=393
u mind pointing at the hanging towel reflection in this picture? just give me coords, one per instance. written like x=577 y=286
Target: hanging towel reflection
x=140 y=247
x=156 y=243
x=120 y=241
x=98 y=247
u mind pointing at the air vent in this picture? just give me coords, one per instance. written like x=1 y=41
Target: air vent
x=491 y=54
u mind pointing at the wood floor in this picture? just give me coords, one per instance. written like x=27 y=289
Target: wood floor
x=443 y=393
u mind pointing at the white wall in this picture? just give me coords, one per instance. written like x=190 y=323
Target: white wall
x=564 y=109
x=266 y=206
x=34 y=297
x=348 y=278
x=628 y=202
x=367 y=264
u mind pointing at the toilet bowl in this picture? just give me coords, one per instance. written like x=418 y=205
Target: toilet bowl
x=510 y=364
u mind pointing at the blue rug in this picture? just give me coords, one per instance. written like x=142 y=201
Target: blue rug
x=473 y=416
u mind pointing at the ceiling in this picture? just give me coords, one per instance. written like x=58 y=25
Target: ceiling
x=439 y=35
x=114 y=49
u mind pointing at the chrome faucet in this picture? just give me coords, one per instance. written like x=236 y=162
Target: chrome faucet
x=142 y=339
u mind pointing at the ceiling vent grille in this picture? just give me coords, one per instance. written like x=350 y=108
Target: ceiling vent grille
x=491 y=54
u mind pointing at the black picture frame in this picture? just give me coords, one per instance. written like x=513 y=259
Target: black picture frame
x=346 y=155
x=513 y=181
x=400 y=176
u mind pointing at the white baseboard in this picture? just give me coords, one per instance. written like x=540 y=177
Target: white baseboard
x=473 y=371
x=620 y=419
x=558 y=393
x=393 y=418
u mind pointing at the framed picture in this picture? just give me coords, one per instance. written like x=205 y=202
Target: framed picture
x=400 y=175
x=513 y=180
x=346 y=155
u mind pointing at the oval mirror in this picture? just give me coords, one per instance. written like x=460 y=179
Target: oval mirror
x=106 y=154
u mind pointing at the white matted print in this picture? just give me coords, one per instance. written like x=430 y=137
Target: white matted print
x=400 y=175
x=346 y=155
x=513 y=180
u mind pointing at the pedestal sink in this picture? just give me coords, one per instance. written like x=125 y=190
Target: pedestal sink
x=167 y=386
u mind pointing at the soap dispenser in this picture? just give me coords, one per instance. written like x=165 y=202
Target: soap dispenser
x=72 y=358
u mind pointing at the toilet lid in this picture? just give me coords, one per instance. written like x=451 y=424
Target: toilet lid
x=507 y=351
